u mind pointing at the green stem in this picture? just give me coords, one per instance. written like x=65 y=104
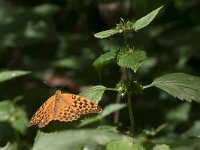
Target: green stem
x=111 y=89
x=147 y=86
x=130 y=108
x=124 y=35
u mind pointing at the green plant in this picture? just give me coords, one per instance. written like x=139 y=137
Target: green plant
x=180 y=85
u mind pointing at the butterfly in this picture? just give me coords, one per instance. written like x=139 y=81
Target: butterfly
x=63 y=107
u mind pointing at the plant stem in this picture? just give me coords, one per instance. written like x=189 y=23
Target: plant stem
x=130 y=106
x=111 y=89
x=130 y=109
x=147 y=86
x=124 y=35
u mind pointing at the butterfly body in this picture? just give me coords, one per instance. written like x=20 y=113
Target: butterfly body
x=63 y=107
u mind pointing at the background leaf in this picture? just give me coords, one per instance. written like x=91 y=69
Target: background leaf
x=179 y=114
x=180 y=85
x=46 y=9
x=124 y=145
x=10 y=146
x=161 y=147
x=15 y=115
x=72 y=139
x=178 y=143
x=193 y=131
x=7 y=75
x=132 y=60
x=144 y=21
x=94 y=93
x=68 y=63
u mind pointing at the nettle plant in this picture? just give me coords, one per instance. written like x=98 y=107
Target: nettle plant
x=180 y=85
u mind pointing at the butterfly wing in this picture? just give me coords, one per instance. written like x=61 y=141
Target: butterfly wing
x=81 y=105
x=64 y=112
x=43 y=115
x=63 y=107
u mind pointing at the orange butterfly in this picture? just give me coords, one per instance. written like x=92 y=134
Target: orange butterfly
x=63 y=107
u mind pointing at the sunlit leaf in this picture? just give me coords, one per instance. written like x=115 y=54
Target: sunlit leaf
x=94 y=93
x=10 y=74
x=132 y=60
x=161 y=147
x=106 y=33
x=72 y=139
x=104 y=58
x=144 y=21
x=180 y=85
x=124 y=145
x=106 y=111
x=107 y=128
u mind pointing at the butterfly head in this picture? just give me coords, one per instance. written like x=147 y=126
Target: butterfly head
x=58 y=92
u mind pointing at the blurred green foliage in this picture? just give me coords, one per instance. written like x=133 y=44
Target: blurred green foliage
x=53 y=41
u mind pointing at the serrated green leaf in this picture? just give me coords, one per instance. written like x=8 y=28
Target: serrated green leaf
x=104 y=58
x=71 y=139
x=124 y=145
x=106 y=111
x=8 y=75
x=132 y=60
x=94 y=93
x=106 y=33
x=161 y=147
x=180 y=85
x=144 y=21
